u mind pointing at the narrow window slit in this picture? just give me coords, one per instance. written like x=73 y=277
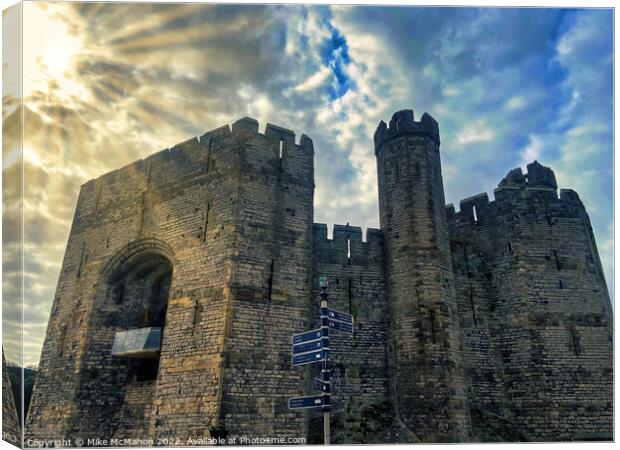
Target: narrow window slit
x=271 y=279
x=473 y=307
x=121 y=294
x=466 y=261
x=349 y=249
x=350 y=296
x=142 y=212
x=475 y=214
x=561 y=284
x=433 y=325
x=509 y=248
x=61 y=340
x=557 y=260
x=206 y=224
x=79 y=271
x=197 y=317
x=575 y=340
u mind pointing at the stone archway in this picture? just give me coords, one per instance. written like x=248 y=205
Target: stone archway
x=121 y=364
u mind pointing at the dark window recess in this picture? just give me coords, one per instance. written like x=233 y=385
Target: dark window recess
x=433 y=325
x=473 y=306
x=197 y=317
x=206 y=224
x=270 y=281
x=509 y=248
x=574 y=339
x=147 y=369
x=350 y=292
x=557 y=260
x=79 y=271
x=561 y=284
x=61 y=340
x=120 y=294
x=466 y=261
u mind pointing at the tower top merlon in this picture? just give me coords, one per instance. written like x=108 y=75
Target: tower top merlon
x=402 y=122
x=537 y=175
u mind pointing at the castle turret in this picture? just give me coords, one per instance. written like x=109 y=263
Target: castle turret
x=428 y=384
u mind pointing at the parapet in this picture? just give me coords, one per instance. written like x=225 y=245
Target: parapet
x=279 y=133
x=535 y=188
x=403 y=122
x=247 y=127
x=537 y=176
x=471 y=206
x=344 y=232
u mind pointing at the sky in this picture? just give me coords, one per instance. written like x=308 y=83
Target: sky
x=106 y=84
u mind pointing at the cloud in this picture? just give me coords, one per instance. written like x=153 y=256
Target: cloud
x=533 y=151
x=475 y=132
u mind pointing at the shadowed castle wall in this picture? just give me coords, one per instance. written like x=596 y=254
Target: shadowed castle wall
x=359 y=362
x=534 y=311
x=270 y=285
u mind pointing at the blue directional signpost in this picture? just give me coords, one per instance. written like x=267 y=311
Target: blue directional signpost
x=312 y=347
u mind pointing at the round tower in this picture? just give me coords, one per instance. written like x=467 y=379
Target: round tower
x=427 y=379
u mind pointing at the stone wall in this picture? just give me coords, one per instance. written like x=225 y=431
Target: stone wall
x=536 y=319
x=11 y=423
x=359 y=361
x=270 y=283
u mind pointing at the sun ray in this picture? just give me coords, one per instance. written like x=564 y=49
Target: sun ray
x=156 y=20
x=171 y=38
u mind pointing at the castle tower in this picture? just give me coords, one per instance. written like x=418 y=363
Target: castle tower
x=427 y=381
x=185 y=275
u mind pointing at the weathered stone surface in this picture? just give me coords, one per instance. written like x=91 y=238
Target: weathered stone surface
x=11 y=422
x=493 y=323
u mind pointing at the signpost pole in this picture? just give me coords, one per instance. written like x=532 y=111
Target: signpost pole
x=312 y=347
x=325 y=372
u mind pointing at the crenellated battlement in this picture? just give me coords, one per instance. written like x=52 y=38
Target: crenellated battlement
x=247 y=127
x=515 y=188
x=344 y=232
x=402 y=122
x=347 y=245
x=537 y=176
x=241 y=129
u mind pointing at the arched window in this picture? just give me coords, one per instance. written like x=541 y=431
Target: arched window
x=138 y=289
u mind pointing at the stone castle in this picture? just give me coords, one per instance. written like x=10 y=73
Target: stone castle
x=187 y=272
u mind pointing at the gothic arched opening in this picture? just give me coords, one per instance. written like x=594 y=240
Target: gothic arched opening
x=126 y=332
x=140 y=289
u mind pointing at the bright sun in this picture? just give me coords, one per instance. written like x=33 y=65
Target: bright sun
x=49 y=49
